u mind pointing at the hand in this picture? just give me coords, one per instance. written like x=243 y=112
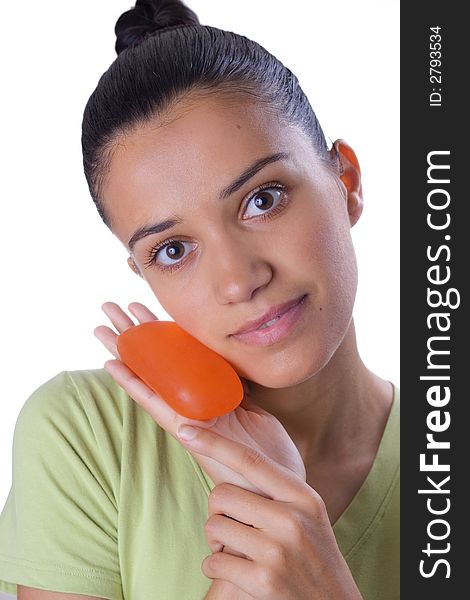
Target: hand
x=248 y=423
x=289 y=546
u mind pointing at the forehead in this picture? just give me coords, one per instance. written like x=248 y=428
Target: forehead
x=200 y=144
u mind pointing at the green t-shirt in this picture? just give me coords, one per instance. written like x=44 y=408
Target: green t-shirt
x=104 y=502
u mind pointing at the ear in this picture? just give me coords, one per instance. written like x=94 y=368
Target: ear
x=350 y=175
x=133 y=266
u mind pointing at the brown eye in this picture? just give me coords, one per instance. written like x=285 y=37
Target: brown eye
x=263 y=201
x=175 y=250
x=169 y=254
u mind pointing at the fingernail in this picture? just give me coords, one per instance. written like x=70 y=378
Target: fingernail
x=187 y=433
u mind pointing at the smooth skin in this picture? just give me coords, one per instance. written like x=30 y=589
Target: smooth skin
x=236 y=263
x=303 y=440
x=248 y=423
x=281 y=534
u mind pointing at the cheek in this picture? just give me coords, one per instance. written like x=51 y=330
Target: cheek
x=190 y=309
x=320 y=253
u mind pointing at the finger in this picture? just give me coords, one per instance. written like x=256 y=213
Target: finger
x=273 y=479
x=159 y=410
x=243 y=505
x=108 y=338
x=216 y=547
x=241 y=572
x=222 y=548
x=246 y=541
x=141 y=312
x=117 y=316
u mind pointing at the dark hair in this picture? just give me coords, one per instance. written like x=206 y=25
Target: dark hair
x=163 y=54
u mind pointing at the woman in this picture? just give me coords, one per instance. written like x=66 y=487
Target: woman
x=206 y=161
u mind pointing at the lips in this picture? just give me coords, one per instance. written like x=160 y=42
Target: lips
x=270 y=315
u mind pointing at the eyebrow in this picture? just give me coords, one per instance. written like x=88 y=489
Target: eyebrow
x=233 y=187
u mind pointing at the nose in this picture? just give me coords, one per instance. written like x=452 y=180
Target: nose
x=238 y=270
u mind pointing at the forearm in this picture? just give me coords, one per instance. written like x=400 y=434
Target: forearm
x=224 y=590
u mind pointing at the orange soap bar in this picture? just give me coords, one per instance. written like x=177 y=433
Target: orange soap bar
x=193 y=379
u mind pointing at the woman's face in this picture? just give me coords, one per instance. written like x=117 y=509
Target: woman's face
x=232 y=251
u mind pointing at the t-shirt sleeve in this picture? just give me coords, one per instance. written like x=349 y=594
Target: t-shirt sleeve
x=58 y=528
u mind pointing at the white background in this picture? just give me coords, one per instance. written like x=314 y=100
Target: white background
x=60 y=262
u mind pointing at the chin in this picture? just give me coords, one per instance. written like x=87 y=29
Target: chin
x=283 y=376
x=304 y=357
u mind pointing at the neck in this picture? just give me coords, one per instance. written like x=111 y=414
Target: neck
x=339 y=412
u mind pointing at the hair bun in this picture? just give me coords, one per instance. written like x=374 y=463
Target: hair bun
x=148 y=17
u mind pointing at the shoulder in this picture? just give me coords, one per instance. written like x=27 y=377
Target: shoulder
x=91 y=391
x=59 y=526
x=75 y=387
x=72 y=396
x=83 y=410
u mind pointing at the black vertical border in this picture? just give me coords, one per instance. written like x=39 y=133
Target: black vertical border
x=424 y=129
